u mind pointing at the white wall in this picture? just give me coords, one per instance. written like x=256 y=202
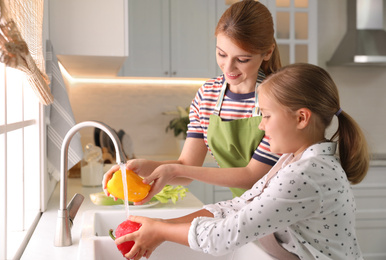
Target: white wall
x=138 y=109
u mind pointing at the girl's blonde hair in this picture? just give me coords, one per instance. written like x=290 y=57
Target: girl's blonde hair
x=249 y=25
x=308 y=86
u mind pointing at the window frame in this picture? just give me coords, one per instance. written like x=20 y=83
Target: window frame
x=30 y=149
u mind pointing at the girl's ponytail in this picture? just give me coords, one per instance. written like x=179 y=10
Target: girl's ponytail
x=353 y=149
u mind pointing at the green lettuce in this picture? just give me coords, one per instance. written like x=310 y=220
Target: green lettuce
x=172 y=193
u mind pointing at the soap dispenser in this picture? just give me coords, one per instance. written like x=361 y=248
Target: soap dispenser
x=92 y=166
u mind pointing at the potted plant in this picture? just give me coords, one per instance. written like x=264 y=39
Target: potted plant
x=179 y=124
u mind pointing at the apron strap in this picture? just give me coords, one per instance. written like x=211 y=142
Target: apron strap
x=256 y=110
x=217 y=108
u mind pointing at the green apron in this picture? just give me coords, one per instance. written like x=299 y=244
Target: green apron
x=233 y=142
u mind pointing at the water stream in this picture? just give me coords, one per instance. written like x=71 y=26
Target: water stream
x=123 y=170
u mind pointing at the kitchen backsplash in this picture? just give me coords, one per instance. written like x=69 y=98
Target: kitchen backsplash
x=136 y=109
x=363 y=95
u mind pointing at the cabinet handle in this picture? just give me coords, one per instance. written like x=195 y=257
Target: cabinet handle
x=166 y=72
x=174 y=73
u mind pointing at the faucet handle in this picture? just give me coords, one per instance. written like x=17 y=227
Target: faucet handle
x=65 y=221
x=74 y=206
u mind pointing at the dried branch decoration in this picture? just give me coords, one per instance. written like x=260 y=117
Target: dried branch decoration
x=14 y=53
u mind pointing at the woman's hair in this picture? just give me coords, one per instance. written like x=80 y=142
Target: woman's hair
x=249 y=25
x=308 y=86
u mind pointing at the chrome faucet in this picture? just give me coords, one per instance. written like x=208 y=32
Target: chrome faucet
x=67 y=214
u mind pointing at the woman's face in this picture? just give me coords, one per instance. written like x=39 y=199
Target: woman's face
x=280 y=125
x=239 y=66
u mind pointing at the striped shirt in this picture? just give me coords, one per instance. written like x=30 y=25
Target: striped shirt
x=234 y=106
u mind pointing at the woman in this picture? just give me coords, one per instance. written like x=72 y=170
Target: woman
x=224 y=115
x=304 y=208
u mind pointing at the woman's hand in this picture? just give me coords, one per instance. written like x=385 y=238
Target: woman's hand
x=141 y=167
x=146 y=239
x=107 y=176
x=146 y=168
x=162 y=175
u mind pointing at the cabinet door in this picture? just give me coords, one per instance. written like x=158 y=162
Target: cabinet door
x=370 y=199
x=173 y=38
x=192 y=38
x=295 y=24
x=88 y=27
x=296 y=29
x=149 y=51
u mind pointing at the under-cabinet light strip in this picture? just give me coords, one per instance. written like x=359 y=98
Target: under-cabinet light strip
x=123 y=80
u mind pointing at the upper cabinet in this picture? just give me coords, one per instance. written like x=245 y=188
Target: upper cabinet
x=175 y=38
x=164 y=38
x=84 y=31
x=171 y=38
x=296 y=29
x=89 y=27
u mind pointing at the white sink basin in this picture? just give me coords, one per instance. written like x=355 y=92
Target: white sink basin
x=96 y=244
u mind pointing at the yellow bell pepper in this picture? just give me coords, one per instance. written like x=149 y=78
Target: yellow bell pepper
x=136 y=189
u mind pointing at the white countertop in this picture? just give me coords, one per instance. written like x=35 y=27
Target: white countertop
x=41 y=245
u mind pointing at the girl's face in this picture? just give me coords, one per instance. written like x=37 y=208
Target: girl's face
x=280 y=125
x=239 y=66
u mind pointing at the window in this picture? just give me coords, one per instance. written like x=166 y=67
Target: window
x=20 y=162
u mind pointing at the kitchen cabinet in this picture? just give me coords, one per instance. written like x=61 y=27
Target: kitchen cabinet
x=89 y=27
x=171 y=38
x=208 y=193
x=175 y=38
x=89 y=37
x=295 y=29
x=370 y=197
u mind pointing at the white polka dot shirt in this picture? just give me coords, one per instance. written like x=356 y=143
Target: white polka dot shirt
x=308 y=204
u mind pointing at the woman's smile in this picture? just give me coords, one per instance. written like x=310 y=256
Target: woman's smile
x=232 y=76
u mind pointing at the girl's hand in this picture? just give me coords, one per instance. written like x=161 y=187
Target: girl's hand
x=146 y=239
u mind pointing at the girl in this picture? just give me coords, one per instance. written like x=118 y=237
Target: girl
x=223 y=115
x=303 y=208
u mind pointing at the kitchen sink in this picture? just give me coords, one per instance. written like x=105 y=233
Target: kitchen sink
x=95 y=242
